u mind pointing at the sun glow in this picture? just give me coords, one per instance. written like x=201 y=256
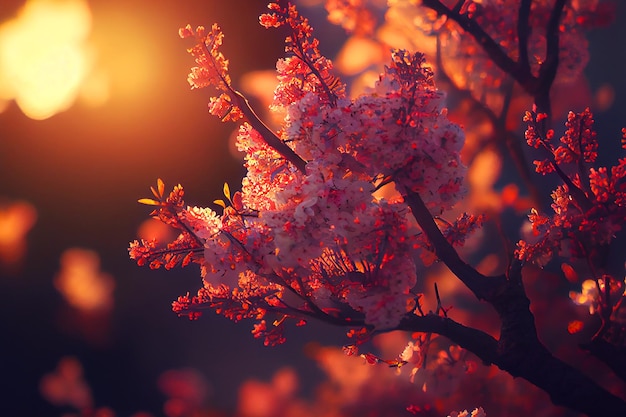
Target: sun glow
x=45 y=56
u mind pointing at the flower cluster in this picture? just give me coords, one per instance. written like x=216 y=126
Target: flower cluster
x=588 y=210
x=304 y=69
x=212 y=70
x=589 y=207
x=308 y=234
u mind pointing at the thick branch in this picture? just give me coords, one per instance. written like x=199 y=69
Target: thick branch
x=538 y=87
x=548 y=69
x=523 y=32
x=614 y=357
x=565 y=385
x=476 y=341
x=518 y=350
x=485 y=288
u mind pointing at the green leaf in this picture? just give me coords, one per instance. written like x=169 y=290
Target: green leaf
x=220 y=203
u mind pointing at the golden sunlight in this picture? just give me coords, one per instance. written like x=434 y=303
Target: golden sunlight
x=44 y=56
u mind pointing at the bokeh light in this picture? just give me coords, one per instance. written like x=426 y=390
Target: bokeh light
x=82 y=283
x=45 y=56
x=66 y=385
x=16 y=220
x=187 y=391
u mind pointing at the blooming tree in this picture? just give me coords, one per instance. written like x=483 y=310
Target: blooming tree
x=345 y=203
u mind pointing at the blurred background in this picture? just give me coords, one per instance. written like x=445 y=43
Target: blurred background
x=94 y=107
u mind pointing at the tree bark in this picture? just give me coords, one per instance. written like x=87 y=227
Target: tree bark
x=518 y=351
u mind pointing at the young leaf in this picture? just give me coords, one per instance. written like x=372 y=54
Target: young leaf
x=220 y=203
x=160 y=186
x=158 y=192
x=227 y=191
x=149 y=202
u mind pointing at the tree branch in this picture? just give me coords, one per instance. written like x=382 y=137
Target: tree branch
x=268 y=135
x=483 y=287
x=476 y=341
x=523 y=76
x=518 y=351
x=537 y=87
x=612 y=356
x=533 y=362
x=548 y=69
x=523 y=32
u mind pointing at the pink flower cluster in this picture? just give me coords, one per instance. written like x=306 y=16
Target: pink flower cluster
x=318 y=242
x=589 y=207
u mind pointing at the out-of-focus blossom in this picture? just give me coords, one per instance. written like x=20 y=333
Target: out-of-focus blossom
x=482 y=175
x=358 y=54
x=261 y=85
x=588 y=296
x=81 y=282
x=575 y=326
x=16 y=220
x=187 y=391
x=353 y=15
x=588 y=208
x=604 y=97
x=153 y=229
x=593 y=291
x=66 y=386
x=348 y=374
x=259 y=399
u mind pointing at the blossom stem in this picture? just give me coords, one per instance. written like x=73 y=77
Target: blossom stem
x=314 y=312
x=304 y=58
x=266 y=133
